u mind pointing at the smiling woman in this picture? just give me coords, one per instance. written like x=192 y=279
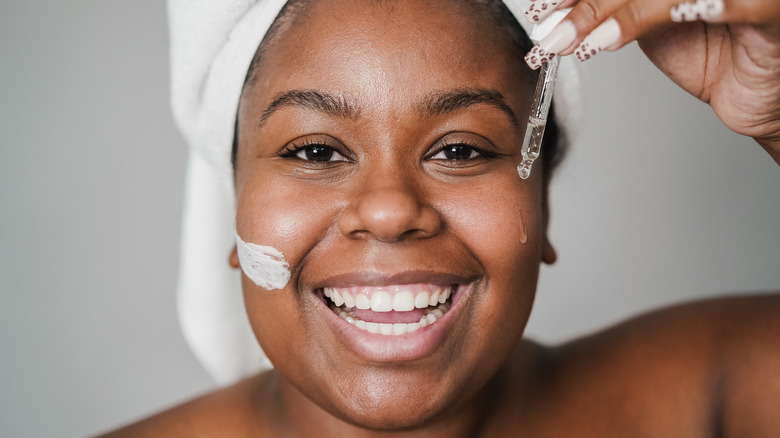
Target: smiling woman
x=404 y=173
x=391 y=251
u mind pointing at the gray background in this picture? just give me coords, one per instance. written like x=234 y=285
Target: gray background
x=657 y=203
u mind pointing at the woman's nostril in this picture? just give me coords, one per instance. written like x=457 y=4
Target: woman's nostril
x=389 y=216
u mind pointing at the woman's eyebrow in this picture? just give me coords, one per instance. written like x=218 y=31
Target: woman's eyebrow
x=453 y=100
x=312 y=99
x=435 y=104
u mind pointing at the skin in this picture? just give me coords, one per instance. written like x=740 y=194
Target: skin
x=731 y=62
x=397 y=203
x=391 y=208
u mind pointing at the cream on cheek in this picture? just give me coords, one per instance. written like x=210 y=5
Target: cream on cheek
x=264 y=265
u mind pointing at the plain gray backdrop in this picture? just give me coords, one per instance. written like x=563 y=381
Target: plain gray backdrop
x=657 y=203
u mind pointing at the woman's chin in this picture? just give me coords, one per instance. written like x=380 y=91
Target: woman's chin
x=393 y=401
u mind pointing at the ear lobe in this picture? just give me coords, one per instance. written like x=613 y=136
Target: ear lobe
x=549 y=256
x=233 y=259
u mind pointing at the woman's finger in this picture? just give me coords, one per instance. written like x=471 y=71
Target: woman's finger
x=613 y=24
x=596 y=25
x=567 y=35
x=638 y=17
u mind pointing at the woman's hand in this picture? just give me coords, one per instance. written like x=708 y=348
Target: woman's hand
x=725 y=52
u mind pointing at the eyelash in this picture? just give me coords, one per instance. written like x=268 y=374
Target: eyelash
x=482 y=154
x=292 y=150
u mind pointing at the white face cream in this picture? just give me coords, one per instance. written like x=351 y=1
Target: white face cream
x=264 y=265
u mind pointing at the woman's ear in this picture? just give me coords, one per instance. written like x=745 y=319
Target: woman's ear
x=233 y=259
x=549 y=256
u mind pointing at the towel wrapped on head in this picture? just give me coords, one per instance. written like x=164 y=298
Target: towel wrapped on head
x=213 y=43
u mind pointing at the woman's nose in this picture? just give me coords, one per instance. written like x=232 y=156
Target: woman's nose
x=389 y=214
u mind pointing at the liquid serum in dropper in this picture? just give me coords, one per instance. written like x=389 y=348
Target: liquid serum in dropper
x=540 y=107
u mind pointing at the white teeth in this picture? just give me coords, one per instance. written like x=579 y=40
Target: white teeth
x=421 y=300
x=381 y=301
x=348 y=300
x=391 y=329
x=399 y=328
x=362 y=302
x=444 y=295
x=336 y=297
x=386 y=329
x=434 y=300
x=403 y=301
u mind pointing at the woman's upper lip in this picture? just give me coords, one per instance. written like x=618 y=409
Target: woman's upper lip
x=376 y=278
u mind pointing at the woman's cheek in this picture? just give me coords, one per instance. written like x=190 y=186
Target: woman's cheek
x=500 y=223
x=288 y=220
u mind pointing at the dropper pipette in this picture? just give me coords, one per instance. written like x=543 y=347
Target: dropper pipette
x=540 y=107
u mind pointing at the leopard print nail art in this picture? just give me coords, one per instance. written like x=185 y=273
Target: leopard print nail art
x=699 y=10
x=539 y=10
x=537 y=56
x=585 y=51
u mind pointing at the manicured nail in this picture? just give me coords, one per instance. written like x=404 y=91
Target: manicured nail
x=560 y=38
x=540 y=9
x=537 y=56
x=699 y=10
x=603 y=37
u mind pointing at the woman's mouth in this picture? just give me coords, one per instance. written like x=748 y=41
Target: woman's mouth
x=393 y=317
x=390 y=310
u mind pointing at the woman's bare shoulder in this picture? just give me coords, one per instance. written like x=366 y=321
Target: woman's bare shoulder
x=708 y=364
x=236 y=410
x=702 y=332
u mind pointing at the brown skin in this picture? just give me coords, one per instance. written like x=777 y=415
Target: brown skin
x=731 y=63
x=394 y=205
x=391 y=208
x=704 y=369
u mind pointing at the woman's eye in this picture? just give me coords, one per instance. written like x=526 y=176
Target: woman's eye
x=319 y=153
x=457 y=152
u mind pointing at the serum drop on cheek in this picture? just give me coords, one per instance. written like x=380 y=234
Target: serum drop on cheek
x=264 y=265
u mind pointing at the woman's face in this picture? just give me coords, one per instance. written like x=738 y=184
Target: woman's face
x=377 y=152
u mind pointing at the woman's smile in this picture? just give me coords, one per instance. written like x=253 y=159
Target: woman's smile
x=399 y=322
x=383 y=317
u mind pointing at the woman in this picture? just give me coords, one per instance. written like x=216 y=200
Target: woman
x=375 y=156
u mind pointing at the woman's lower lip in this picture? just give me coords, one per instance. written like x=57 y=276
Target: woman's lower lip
x=392 y=348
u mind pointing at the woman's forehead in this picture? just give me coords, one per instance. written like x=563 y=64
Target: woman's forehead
x=394 y=53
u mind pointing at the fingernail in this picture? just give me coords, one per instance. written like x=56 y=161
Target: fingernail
x=540 y=9
x=537 y=56
x=560 y=38
x=700 y=10
x=603 y=37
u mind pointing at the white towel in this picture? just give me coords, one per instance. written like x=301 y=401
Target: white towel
x=212 y=45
